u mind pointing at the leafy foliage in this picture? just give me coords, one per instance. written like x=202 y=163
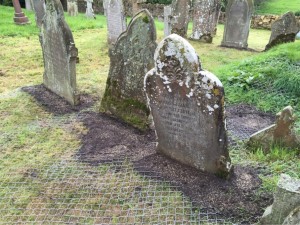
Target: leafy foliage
x=165 y=2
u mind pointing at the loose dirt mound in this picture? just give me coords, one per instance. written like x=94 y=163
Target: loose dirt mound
x=109 y=139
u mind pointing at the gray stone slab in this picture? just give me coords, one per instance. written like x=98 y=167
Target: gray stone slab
x=177 y=17
x=39 y=9
x=237 y=25
x=284 y=30
x=59 y=53
x=116 y=20
x=89 y=13
x=130 y=59
x=72 y=8
x=187 y=105
x=205 y=19
x=286 y=200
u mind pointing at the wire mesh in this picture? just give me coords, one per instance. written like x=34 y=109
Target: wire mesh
x=72 y=192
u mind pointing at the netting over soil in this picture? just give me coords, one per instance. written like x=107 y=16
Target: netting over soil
x=71 y=192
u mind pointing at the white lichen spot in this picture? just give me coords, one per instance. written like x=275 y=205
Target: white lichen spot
x=210 y=109
x=220 y=140
x=208 y=96
x=180 y=83
x=216 y=106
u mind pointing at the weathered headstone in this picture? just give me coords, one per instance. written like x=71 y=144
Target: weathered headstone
x=286 y=201
x=89 y=13
x=28 y=5
x=187 y=105
x=205 y=19
x=130 y=59
x=176 y=17
x=237 y=25
x=72 y=8
x=284 y=30
x=39 y=9
x=116 y=21
x=59 y=53
x=293 y=218
x=105 y=6
x=281 y=133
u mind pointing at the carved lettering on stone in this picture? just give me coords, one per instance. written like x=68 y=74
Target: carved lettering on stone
x=59 y=53
x=130 y=59
x=116 y=21
x=187 y=105
x=237 y=26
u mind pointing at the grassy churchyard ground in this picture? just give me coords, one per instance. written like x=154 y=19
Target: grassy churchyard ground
x=35 y=142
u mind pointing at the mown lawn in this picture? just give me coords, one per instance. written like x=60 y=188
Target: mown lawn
x=278 y=7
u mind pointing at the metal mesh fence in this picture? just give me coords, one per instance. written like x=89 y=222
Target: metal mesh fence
x=72 y=192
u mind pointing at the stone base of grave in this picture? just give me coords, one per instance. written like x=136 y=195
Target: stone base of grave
x=21 y=19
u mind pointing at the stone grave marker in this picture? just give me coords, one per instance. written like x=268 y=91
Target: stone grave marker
x=187 y=105
x=39 y=9
x=59 y=53
x=72 y=8
x=130 y=59
x=237 y=25
x=167 y=20
x=284 y=30
x=105 y=6
x=286 y=203
x=116 y=21
x=28 y=5
x=205 y=19
x=89 y=13
x=176 y=18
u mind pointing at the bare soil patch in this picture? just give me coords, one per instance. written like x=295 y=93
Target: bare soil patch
x=109 y=139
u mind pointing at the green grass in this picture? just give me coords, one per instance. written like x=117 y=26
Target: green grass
x=260 y=79
x=278 y=7
x=32 y=138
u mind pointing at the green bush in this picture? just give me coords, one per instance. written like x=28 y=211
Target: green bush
x=6 y=2
x=297 y=13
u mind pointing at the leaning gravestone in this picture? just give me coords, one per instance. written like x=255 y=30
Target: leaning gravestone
x=89 y=12
x=59 y=53
x=177 y=18
x=237 y=25
x=205 y=19
x=39 y=9
x=284 y=30
x=286 y=201
x=28 y=5
x=72 y=8
x=187 y=105
x=116 y=21
x=130 y=59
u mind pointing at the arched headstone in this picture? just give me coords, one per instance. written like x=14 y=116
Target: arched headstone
x=187 y=105
x=130 y=59
x=59 y=53
x=237 y=25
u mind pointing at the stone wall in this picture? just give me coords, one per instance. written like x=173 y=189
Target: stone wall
x=258 y=21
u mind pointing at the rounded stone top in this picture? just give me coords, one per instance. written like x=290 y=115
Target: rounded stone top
x=289 y=184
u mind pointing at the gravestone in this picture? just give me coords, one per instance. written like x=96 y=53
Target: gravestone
x=237 y=25
x=176 y=18
x=89 y=13
x=187 y=105
x=39 y=9
x=130 y=59
x=205 y=19
x=284 y=30
x=72 y=8
x=59 y=53
x=28 y=5
x=167 y=20
x=116 y=21
x=298 y=36
x=285 y=204
x=105 y=5
x=281 y=133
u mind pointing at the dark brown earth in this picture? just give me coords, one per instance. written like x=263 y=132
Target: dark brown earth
x=109 y=139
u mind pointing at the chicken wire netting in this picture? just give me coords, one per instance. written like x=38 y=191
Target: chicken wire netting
x=73 y=192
